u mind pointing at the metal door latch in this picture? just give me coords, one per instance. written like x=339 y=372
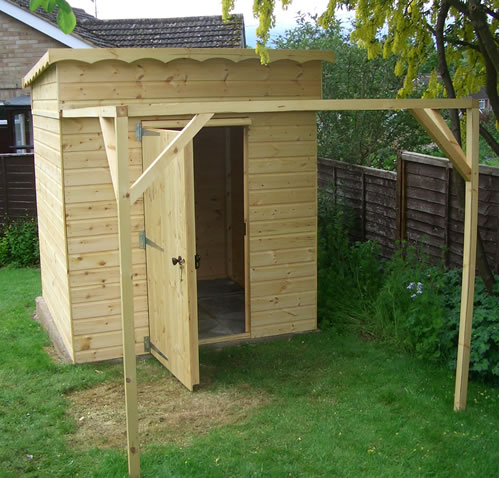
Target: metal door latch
x=178 y=260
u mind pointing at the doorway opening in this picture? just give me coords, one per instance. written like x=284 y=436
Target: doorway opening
x=220 y=232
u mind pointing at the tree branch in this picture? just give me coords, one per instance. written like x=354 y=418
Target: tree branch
x=488 y=137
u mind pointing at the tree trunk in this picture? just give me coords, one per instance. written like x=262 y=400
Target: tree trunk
x=482 y=261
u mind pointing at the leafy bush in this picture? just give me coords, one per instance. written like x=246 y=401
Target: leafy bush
x=347 y=272
x=418 y=308
x=19 y=243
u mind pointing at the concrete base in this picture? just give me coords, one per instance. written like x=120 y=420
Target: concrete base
x=47 y=322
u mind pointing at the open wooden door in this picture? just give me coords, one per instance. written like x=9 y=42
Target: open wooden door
x=170 y=252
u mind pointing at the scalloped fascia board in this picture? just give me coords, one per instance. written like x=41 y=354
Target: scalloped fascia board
x=165 y=55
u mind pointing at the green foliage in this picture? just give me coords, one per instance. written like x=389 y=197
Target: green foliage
x=370 y=138
x=19 y=243
x=418 y=308
x=66 y=19
x=347 y=273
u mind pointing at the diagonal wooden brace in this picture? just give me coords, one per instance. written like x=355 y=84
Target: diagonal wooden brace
x=109 y=137
x=158 y=165
x=438 y=130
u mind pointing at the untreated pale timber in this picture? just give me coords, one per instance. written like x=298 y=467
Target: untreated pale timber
x=166 y=55
x=108 y=135
x=127 y=293
x=271 y=106
x=469 y=261
x=158 y=165
x=438 y=130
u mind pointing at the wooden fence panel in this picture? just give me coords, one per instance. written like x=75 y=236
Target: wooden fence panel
x=370 y=194
x=417 y=204
x=17 y=186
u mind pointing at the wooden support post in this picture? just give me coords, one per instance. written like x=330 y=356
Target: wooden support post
x=108 y=136
x=127 y=291
x=469 y=260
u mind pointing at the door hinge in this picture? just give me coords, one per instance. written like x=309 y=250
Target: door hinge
x=140 y=132
x=145 y=241
x=148 y=346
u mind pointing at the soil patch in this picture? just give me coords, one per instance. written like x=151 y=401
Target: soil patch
x=167 y=412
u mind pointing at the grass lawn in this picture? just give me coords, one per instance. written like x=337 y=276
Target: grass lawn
x=316 y=405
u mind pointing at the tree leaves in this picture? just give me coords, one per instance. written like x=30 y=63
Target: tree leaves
x=66 y=19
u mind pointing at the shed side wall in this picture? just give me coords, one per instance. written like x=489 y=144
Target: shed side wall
x=92 y=230
x=51 y=208
x=282 y=223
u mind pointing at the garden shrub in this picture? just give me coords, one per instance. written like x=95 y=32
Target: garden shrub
x=348 y=273
x=418 y=308
x=19 y=243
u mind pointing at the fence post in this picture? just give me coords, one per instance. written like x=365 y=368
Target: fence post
x=363 y=207
x=5 y=186
x=401 y=198
x=447 y=217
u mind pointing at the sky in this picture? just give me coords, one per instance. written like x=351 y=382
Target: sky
x=185 y=8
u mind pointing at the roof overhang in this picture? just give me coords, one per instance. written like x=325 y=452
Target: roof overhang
x=43 y=26
x=165 y=55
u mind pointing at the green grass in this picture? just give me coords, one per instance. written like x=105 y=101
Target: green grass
x=337 y=406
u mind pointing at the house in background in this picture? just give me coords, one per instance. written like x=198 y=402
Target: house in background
x=27 y=35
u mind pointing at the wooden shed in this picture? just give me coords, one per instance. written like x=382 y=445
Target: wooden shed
x=247 y=203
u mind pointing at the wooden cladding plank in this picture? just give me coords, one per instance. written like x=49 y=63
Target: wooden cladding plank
x=44 y=91
x=277 y=272
x=98 y=226
x=95 y=260
x=282 y=211
x=106 y=353
x=283 y=286
x=98 y=209
x=292 y=327
x=281 y=301
x=95 y=176
x=266 y=134
x=96 y=159
x=283 y=256
x=282 y=226
x=102 y=340
x=104 y=275
x=186 y=70
x=282 y=180
x=283 y=316
x=48 y=138
x=281 y=196
x=285 y=149
x=83 y=194
x=101 y=292
x=162 y=90
x=287 y=241
x=280 y=165
x=107 y=324
x=105 y=308
x=103 y=242
x=52 y=125
x=92 y=142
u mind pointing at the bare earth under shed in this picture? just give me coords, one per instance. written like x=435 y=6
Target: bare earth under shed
x=168 y=412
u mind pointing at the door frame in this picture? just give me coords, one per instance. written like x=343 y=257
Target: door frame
x=243 y=122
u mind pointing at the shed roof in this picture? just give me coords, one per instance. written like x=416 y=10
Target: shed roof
x=184 y=32
x=165 y=55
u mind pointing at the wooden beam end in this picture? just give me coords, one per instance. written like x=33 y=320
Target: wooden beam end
x=121 y=111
